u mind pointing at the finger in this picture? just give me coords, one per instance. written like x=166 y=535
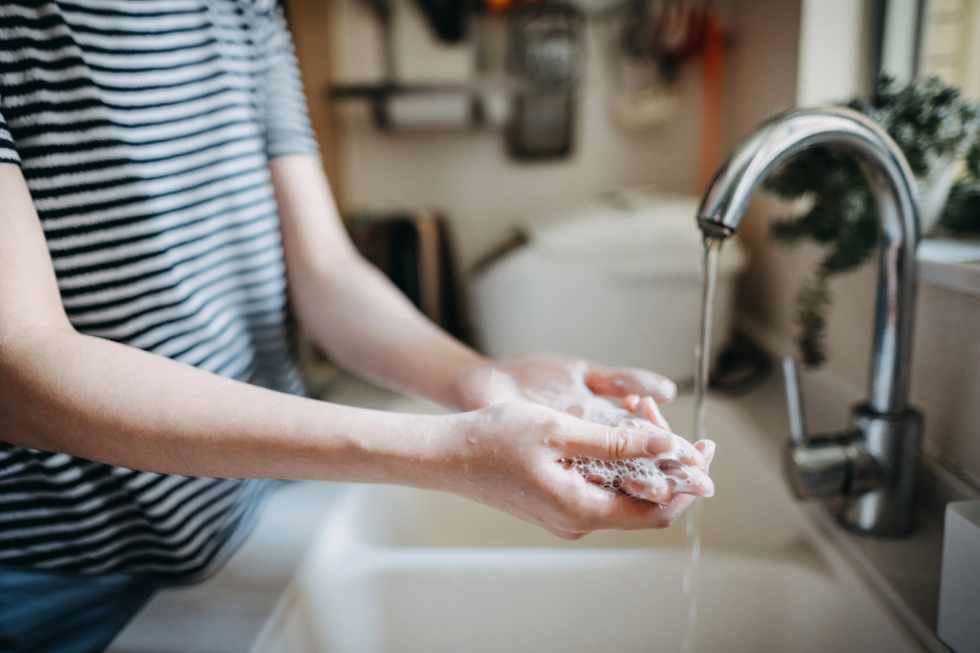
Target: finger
x=707 y=449
x=673 y=479
x=705 y=486
x=622 y=381
x=655 y=490
x=630 y=402
x=677 y=507
x=647 y=409
x=658 y=487
x=616 y=443
x=611 y=443
x=687 y=453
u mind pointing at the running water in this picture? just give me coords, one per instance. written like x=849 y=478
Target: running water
x=710 y=253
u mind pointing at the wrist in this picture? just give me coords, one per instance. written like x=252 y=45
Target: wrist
x=472 y=384
x=416 y=450
x=439 y=461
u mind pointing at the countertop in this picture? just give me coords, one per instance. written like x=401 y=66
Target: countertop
x=905 y=571
x=227 y=612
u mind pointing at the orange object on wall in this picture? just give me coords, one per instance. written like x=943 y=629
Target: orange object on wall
x=712 y=96
x=500 y=6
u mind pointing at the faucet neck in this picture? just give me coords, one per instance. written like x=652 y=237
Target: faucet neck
x=893 y=186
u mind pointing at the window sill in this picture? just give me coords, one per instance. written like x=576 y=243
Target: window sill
x=951 y=264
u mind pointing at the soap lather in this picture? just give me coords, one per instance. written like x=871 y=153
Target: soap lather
x=656 y=479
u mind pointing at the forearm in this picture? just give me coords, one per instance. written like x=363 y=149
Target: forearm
x=368 y=327
x=347 y=307
x=88 y=397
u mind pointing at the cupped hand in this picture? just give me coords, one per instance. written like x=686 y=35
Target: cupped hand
x=567 y=384
x=514 y=457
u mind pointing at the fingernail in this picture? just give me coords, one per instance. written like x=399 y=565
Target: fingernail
x=659 y=444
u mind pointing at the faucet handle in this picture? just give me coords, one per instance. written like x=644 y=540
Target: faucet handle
x=817 y=467
x=794 y=400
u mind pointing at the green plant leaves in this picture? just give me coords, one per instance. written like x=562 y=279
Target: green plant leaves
x=932 y=124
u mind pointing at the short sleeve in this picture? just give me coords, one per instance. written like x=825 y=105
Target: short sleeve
x=284 y=114
x=8 y=152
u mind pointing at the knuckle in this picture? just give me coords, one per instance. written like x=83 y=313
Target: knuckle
x=561 y=432
x=620 y=444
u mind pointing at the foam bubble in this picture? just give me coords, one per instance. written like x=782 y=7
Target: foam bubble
x=655 y=479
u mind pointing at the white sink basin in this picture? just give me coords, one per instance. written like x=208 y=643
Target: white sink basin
x=399 y=570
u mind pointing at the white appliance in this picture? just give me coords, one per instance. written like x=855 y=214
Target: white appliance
x=616 y=281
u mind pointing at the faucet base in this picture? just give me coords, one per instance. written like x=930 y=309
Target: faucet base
x=881 y=500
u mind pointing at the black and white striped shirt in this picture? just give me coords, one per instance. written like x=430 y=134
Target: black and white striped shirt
x=144 y=130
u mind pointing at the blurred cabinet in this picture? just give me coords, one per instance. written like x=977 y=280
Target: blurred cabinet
x=309 y=22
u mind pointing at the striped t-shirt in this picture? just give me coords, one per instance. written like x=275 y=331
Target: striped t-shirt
x=144 y=129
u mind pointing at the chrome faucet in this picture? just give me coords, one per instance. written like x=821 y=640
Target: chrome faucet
x=873 y=465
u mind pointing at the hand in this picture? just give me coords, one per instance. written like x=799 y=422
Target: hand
x=570 y=385
x=510 y=456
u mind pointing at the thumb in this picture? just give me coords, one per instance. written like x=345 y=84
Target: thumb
x=611 y=443
x=622 y=381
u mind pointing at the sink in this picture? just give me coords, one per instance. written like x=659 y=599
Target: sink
x=400 y=570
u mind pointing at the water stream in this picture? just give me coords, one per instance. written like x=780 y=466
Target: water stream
x=710 y=255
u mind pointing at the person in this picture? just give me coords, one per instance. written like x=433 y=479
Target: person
x=164 y=225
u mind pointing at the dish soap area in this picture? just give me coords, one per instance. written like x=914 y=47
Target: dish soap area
x=548 y=176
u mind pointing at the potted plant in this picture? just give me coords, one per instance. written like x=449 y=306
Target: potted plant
x=938 y=130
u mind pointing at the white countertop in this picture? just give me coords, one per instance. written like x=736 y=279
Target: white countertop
x=952 y=264
x=227 y=612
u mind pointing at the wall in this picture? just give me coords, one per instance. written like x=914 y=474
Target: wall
x=308 y=20
x=468 y=175
x=951 y=43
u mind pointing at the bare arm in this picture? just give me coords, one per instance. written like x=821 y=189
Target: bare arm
x=65 y=392
x=347 y=306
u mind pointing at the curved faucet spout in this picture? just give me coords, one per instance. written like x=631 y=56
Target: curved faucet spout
x=893 y=186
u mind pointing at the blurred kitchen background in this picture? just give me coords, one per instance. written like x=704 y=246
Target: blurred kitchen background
x=528 y=174
x=477 y=148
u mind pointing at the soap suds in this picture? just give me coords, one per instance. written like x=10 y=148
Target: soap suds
x=655 y=479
